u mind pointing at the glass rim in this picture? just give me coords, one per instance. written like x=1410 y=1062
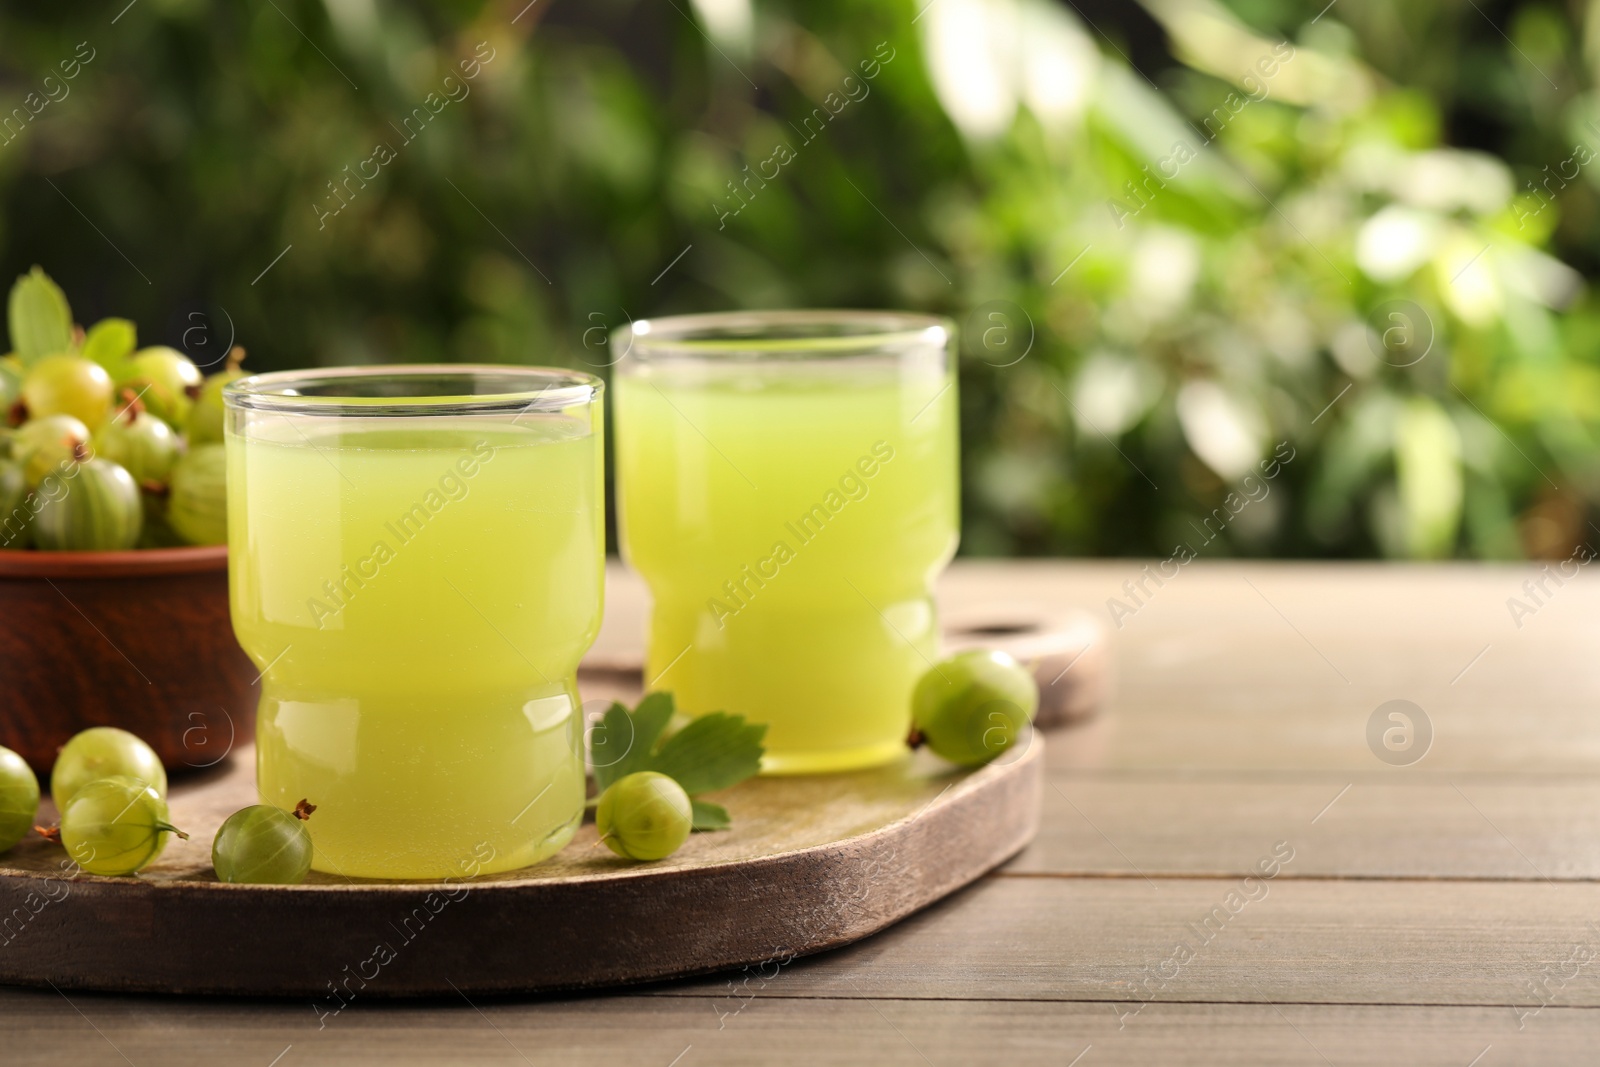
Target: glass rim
x=730 y=333
x=528 y=390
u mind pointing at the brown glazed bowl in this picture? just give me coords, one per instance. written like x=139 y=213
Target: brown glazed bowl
x=137 y=639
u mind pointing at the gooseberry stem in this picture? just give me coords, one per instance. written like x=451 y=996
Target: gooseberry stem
x=167 y=827
x=132 y=406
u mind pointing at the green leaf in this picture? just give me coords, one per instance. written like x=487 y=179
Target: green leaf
x=650 y=719
x=709 y=816
x=622 y=743
x=39 y=318
x=713 y=752
x=609 y=744
x=111 y=343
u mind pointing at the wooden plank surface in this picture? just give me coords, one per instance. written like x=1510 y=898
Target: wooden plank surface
x=629 y=1031
x=1428 y=911
x=1366 y=826
x=1276 y=668
x=1122 y=941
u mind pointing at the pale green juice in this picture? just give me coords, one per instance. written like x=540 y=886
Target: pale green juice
x=789 y=519
x=418 y=599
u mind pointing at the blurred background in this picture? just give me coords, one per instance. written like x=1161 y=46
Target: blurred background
x=1261 y=278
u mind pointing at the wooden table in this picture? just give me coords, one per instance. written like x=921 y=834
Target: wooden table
x=1441 y=912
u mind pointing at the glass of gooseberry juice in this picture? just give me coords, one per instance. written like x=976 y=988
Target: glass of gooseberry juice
x=787 y=486
x=416 y=563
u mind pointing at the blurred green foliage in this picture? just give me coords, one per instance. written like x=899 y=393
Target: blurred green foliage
x=1357 y=238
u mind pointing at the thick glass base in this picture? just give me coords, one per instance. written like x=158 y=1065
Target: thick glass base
x=831 y=680
x=446 y=784
x=830 y=761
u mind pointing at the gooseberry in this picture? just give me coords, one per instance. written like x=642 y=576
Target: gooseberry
x=16 y=518
x=67 y=385
x=97 y=510
x=197 y=507
x=264 y=845
x=19 y=798
x=165 y=380
x=141 y=443
x=101 y=752
x=974 y=705
x=644 y=816
x=116 y=825
x=205 y=419
x=49 y=445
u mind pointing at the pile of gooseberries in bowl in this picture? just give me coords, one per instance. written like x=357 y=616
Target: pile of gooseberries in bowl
x=113 y=530
x=105 y=446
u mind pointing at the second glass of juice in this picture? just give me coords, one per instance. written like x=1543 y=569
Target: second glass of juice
x=787 y=486
x=416 y=563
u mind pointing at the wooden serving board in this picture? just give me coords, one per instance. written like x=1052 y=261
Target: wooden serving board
x=811 y=863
